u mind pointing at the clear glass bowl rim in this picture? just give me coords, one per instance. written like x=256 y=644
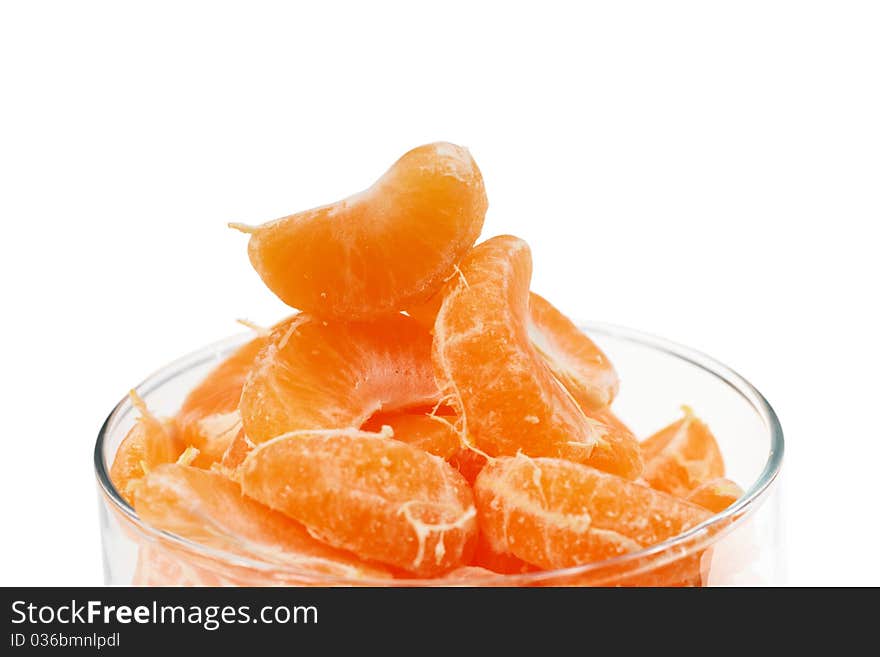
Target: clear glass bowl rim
x=691 y=540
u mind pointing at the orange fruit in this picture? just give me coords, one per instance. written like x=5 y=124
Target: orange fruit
x=208 y=508
x=434 y=434
x=498 y=562
x=607 y=416
x=437 y=433
x=716 y=494
x=235 y=453
x=209 y=419
x=555 y=513
x=617 y=449
x=681 y=456
x=468 y=463
x=381 y=250
x=150 y=443
x=320 y=374
x=486 y=365
x=572 y=356
x=425 y=313
x=382 y=499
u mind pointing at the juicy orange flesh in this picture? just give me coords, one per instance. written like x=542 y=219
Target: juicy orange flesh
x=575 y=360
x=382 y=499
x=617 y=449
x=321 y=374
x=382 y=249
x=209 y=419
x=431 y=433
x=487 y=558
x=149 y=443
x=468 y=462
x=555 y=513
x=681 y=456
x=425 y=313
x=436 y=431
x=484 y=360
x=716 y=494
x=235 y=453
x=427 y=415
x=209 y=508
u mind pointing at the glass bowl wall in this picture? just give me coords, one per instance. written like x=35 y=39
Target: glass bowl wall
x=737 y=547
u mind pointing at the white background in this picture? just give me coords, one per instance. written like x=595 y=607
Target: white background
x=703 y=171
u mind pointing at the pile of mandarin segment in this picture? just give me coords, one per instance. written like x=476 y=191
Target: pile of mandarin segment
x=422 y=415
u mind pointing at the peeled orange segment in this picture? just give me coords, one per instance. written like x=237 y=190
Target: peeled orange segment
x=583 y=370
x=209 y=418
x=617 y=449
x=235 y=453
x=716 y=494
x=468 y=463
x=425 y=313
x=485 y=362
x=381 y=250
x=499 y=562
x=573 y=357
x=555 y=513
x=382 y=499
x=681 y=456
x=150 y=443
x=208 y=508
x=437 y=433
x=318 y=374
x=434 y=434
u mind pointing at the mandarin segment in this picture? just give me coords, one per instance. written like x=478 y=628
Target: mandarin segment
x=585 y=372
x=716 y=494
x=572 y=356
x=555 y=513
x=499 y=562
x=382 y=499
x=434 y=434
x=209 y=419
x=425 y=313
x=617 y=449
x=382 y=249
x=235 y=453
x=150 y=443
x=468 y=463
x=320 y=374
x=486 y=364
x=210 y=509
x=681 y=456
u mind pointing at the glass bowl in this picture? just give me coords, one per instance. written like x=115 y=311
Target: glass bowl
x=739 y=546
